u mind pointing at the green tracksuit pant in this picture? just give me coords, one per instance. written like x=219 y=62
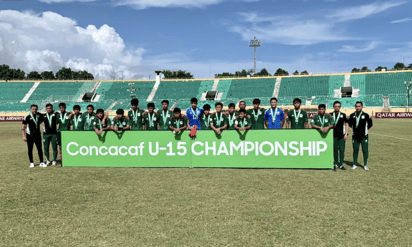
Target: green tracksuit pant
x=365 y=150
x=47 y=138
x=338 y=150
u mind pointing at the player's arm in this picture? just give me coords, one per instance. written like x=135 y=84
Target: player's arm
x=313 y=124
x=23 y=132
x=370 y=123
x=97 y=131
x=266 y=117
x=306 y=119
x=282 y=121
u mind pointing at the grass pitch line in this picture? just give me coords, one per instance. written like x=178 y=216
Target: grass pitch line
x=404 y=139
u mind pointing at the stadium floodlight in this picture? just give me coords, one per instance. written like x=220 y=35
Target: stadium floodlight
x=255 y=43
x=408 y=92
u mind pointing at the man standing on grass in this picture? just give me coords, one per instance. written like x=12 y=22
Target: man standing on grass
x=76 y=119
x=50 y=133
x=231 y=116
x=361 y=123
x=322 y=122
x=193 y=114
x=340 y=135
x=178 y=123
x=257 y=115
x=135 y=116
x=219 y=120
x=206 y=118
x=151 y=119
x=274 y=116
x=297 y=119
x=63 y=121
x=89 y=117
x=164 y=115
x=30 y=131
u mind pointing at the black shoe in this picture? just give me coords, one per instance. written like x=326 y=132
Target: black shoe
x=342 y=168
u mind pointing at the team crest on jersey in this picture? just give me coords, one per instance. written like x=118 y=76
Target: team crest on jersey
x=278 y=113
x=94 y=122
x=124 y=123
x=181 y=122
x=236 y=122
x=341 y=116
x=363 y=117
x=326 y=120
x=92 y=118
x=67 y=117
x=138 y=114
x=301 y=115
x=154 y=119
x=80 y=120
x=245 y=122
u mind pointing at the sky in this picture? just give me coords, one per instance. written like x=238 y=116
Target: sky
x=130 y=39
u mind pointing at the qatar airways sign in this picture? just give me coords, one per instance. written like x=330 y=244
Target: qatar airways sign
x=393 y=115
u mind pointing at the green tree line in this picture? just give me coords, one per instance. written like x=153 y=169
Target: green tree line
x=7 y=74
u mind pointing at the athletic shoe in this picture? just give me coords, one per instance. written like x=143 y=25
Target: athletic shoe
x=336 y=166
x=31 y=165
x=43 y=165
x=54 y=163
x=47 y=163
x=366 y=168
x=342 y=168
x=354 y=167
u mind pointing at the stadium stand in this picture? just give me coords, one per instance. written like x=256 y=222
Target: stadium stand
x=312 y=90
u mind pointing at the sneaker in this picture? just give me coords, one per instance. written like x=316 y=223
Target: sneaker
x=366 y=168
x=54 y=163
x=342 y=168
x=354 y=167
x=31 y=165
x=43 y=165
x=336 y=166
x=47 y=163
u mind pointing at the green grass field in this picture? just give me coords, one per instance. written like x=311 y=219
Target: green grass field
x=210 y=207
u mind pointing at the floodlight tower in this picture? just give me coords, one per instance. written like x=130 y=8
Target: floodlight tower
x=255 y=43
x=408 y=91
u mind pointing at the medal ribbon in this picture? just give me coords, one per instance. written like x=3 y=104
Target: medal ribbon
x=296 y=117
x=242 y=123
x=231 y=120
x=76 y=121
x=177 y=123
x=134 y=114
x=194 y=113
x=219 y=120
x=165 y=117
x=64 y=117
x=208 y=120
x=274 y=117
x=100 y=124
x=34 y=119
x=50 y=118
x=358 y=119
x=89 y=120
x=322 y=121
x=151 y=124
x=121 y=123
x=336 y=119
x=255 y=115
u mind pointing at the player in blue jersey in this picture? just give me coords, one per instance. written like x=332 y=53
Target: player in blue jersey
x=274 y=116
x=193 y=115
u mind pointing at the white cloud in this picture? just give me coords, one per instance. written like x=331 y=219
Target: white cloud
x=359 y=12
x=288 y=30
x=49 y=41
x=65 y=1
x=143 y=4
x=401 y=20
x=349 y=48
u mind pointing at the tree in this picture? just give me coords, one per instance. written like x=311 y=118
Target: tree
x=355 y=70
x=65 y=74
x=296 y=73
x=263 y=72
x=243 y=73
x=410 y=66
x=304 y=72
x=365 y=69
x=399 y=66
x=47 y=75
x=380 y=68
x=34 y=75
x=281 y=72
x=224 y=74
x=17 y=74
x=180 y=74
x=5 y=72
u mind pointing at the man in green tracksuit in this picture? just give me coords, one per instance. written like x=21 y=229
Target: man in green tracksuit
x=164 y=116
x=257 y=115
x=89 y=117
x=322 y=122
x=297 y=119
x=178 y=123
x=219 y=120
x=135 y=116
x=340 y=135
x=206 y=118
x=151 y=119
x=76 y=119
x=63 y=121
x=361 y=123
x=231 y=116
x=50 y=133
